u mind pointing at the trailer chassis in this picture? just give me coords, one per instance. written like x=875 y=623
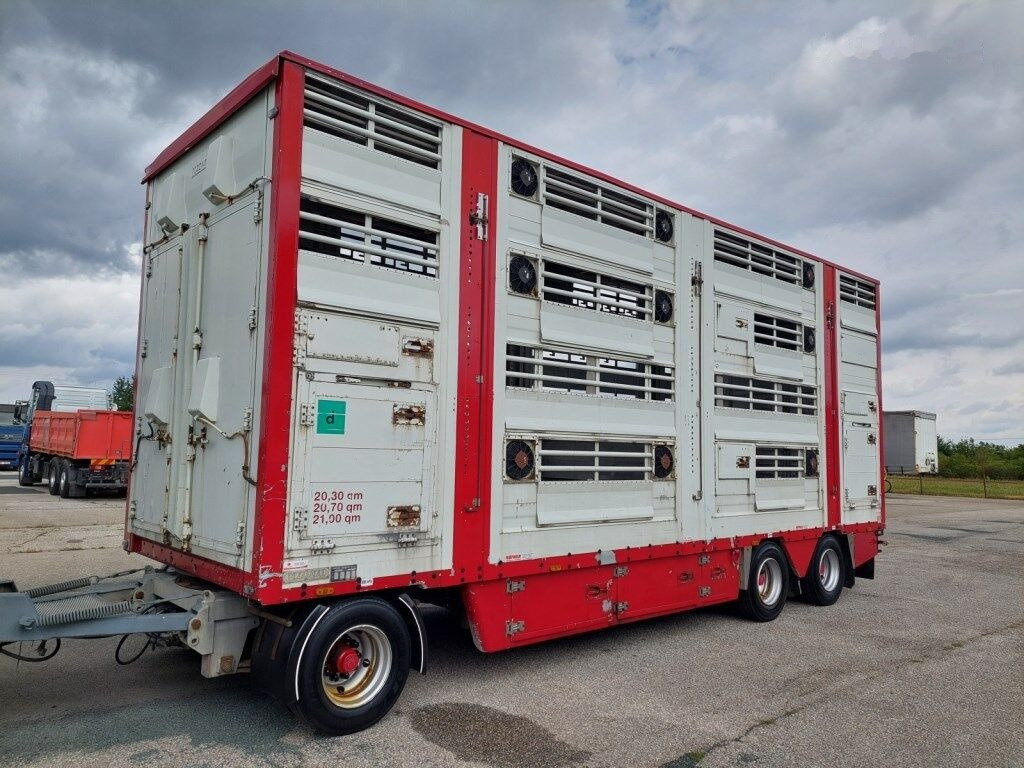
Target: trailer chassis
x=167 y=605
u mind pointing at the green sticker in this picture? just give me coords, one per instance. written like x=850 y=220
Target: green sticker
x=330 y=417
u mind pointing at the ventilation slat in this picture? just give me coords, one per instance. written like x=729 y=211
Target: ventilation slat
x=594 y=460
x=757 y=258
x=335 y=109
x=777 y=463
x=858 y=292
x=587 y=289
x=597 y=202
x=552 y=370
x=749 y=394
x=777 y=332
x=363 y=238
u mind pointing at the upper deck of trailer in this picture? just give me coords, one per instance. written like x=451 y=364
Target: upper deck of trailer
x=265 y=74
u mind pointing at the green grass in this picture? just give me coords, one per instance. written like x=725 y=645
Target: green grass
x=953 y=486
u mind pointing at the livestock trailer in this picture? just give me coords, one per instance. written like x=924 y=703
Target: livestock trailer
x=389 y=357
x=912 y=443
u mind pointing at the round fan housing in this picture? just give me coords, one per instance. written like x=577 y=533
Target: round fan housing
x=663 y=227
x=522 y=275
x=811 y=463
x=808 y=274
x=664 y=462
x=519 y=460
x=663 y=307
x=810 y=339
x=524 y=177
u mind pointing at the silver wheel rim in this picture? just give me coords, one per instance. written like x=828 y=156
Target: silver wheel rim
x=828 y=570
x=769 y=581
x=368 y=644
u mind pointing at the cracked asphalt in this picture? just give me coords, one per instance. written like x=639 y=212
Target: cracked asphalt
x=921 y=667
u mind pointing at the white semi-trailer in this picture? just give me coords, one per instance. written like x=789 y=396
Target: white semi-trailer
x=911 y=443
x=388 y=357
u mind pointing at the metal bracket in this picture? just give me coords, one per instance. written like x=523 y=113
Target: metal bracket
x=479 y=217
x=321 y=546
x=697 y=280
x=515 y=585
x=620 y=571
x=704 y=591
x=514 y=627
x=307 y=414
x=300 y=519
x=621 y=607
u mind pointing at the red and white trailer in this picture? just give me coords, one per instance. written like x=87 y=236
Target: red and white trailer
x=387 y=356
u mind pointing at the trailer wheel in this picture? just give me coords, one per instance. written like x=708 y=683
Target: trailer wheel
x=767 y=584
x=353 y=666
x=63 y=482
x=825 y=578
x=53 y=477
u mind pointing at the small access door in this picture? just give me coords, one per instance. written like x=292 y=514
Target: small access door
x=858 y=393
x=365 y=440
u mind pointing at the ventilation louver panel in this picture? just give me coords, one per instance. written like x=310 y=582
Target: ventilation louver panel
x=775 y=463
x=555 y=371
x=364 y=238
x=765 y=395
x=354 y=116
x=757 y=258
x=859 y=292
x=777 y=332
x=598 y=202
x=590 y=460
x=587 y=289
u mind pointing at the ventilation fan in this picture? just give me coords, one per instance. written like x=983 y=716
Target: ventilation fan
x=663 y=228
x=808 y=275
x=522 y=275
x=519 y=461
x=663 y=461
x=811 y=463
x=524 y=178
x=809 y=339
x=662 y=307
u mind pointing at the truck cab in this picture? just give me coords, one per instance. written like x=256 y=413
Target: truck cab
x=12 y=433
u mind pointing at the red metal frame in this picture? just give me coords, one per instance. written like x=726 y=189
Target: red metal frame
x=471 y=568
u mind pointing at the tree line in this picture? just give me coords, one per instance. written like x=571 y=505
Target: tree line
x=971 y=458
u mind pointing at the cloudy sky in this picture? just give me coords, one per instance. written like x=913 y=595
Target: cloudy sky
x=887 y=136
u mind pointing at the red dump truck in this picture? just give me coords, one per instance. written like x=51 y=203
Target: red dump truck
x=74 y=452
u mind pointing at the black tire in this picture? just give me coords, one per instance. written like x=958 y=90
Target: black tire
x=25 y=474
x=767 y=583
x=826 y=574
x=53 y=477
x=64 y=479
x=380 y=630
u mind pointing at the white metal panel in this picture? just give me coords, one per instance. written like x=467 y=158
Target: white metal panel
x=355 y=168
x=536 y=411
x=568 y=232
x=779 y=494
x=69 y=399
x=569 y=503
x=574 y=327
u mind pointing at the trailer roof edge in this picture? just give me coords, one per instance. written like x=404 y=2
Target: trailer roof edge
x=269 y=71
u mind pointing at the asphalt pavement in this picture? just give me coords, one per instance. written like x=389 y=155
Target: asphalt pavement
x=923 y=666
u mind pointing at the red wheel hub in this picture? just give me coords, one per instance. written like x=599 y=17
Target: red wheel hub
x=347 y=661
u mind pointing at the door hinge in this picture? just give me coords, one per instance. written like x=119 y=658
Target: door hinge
x=321 y=546
x=514 y=627
x=479 y=216
x=240 y=534
x=697 y=280
x=247 y=419
x=252 y=318
x=300 y=519
x=830 y=314
x=704 y=559
x=620 y=571
x=515 y=585
x=704 y=591
x=307 y=415
x=144 y=348
x=298 y=343
x=621 y=607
